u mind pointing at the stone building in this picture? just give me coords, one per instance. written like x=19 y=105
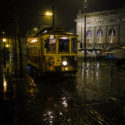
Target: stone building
x=105 y=30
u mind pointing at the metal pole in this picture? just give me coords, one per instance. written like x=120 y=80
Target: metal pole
x=15 y=49
x=4 y=55
x=53 y=22
x=20 y=48
x=81 y=45
x=81 y=37
x=85 y=7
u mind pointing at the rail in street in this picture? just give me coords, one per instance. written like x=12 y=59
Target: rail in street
x=93 y=96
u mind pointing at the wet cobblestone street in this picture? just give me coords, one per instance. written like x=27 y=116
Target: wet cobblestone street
x=93 y=96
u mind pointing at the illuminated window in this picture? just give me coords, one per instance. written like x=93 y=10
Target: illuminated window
x=99 y=36
x=111 y=36
x=89 y=37
x=63 y=44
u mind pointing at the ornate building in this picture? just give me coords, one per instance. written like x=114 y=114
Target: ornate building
x=104 y=30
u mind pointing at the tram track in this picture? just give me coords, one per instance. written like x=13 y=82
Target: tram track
x=112 y=75
x=92 y=112
x=89 y=118
x=90 y=115
x=101 y=92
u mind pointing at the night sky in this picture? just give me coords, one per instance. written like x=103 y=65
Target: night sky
x=27 y=12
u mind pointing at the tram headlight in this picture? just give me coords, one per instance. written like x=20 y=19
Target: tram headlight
x=64 y=63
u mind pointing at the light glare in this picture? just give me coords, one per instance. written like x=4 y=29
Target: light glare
x=4 y=40
x=7 y=45
x=64 y=63
x=48 y=13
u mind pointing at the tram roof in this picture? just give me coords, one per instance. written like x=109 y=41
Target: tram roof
x=55 y=30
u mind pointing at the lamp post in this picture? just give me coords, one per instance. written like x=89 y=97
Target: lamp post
x=48 y=13
x=53 y=17
x=85 y=8
x=20 y=47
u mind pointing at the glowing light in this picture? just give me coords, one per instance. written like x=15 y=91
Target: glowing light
x=48 y=117
x=48 y=13
x=60 y=113
x=64 y=102
x=64 y=38
x=64 y=63
x=51 y=36
x=35 y=29
x=7 y=46
x=49 y=113
x=34 y=41
x=4 y=85
x=66 y=68
x=97 y=65
x=45 y=31
x=4 y=40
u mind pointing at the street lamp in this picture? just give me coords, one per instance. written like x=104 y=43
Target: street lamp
x=4 y=41
x=85 y=8
x=48 y=13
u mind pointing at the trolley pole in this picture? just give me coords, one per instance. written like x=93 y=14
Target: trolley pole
x=85 y=7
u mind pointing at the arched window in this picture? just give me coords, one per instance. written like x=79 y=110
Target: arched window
x=100 y=36
x=111 y=36
x=89 y=37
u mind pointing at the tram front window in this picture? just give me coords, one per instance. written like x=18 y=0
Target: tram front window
x=63 y=44
x=50 y=45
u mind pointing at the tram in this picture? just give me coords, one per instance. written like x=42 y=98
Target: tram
x=52 y=51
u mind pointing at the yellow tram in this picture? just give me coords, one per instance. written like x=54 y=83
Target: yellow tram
x=53 y=50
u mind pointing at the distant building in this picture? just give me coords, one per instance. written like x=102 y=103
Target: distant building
x=104 y=29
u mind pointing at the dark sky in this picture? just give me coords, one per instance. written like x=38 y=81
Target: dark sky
x=65 y=11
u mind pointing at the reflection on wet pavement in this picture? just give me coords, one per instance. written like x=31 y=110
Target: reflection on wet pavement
x=94 y=96
x=7 y=94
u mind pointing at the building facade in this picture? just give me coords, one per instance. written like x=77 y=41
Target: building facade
x=105 y=30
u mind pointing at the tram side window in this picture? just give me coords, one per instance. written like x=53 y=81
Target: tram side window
x=63 y=45
x=73 y=45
